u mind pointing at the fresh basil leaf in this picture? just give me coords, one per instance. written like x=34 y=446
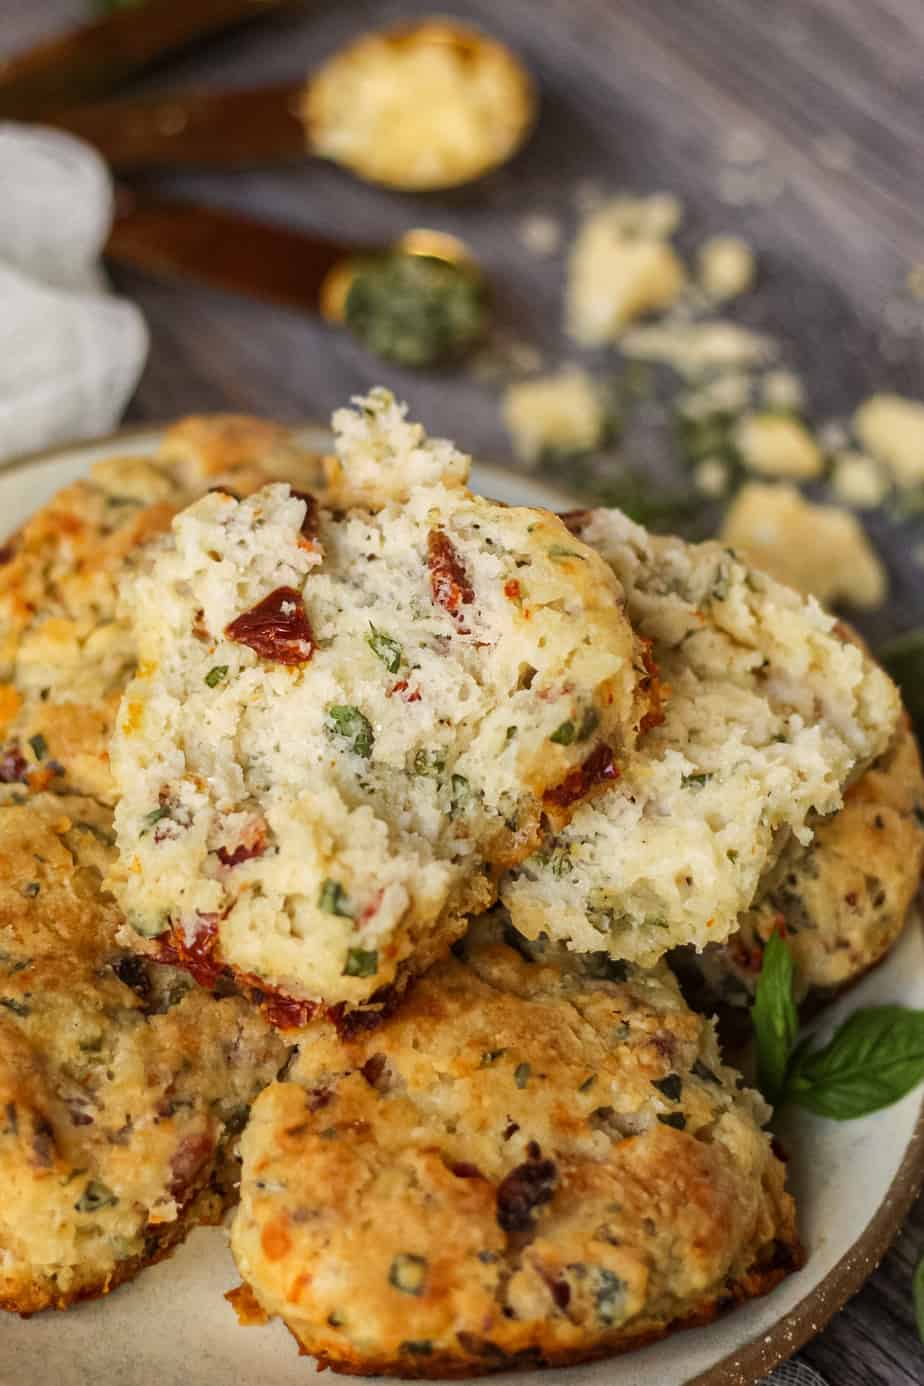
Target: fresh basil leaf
x=872 y=1060
x=775 y=1019
x=917 y=1291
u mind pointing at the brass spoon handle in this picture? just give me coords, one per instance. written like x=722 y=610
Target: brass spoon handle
x=85 y=62
x=215 y=128
x=226 y=250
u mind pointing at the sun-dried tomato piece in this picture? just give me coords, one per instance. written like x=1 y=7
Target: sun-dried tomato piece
x=512 y=589
x=401 y=687
x=13 y=764
x=596 y=769
x=252 y=844
x=523 y=1190
x=449 y=584
x=199 y=958
x=276 y=628
x=312 y=514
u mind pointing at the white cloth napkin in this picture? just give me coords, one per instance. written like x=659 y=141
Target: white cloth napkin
x=71 y=354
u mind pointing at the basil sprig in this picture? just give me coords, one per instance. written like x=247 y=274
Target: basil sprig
x=775 y=1019
x=872 y=1060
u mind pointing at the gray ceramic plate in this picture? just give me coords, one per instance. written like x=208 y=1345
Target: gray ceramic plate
x=854 y=1182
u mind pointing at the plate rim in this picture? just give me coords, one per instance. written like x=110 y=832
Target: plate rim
x=747 y=1365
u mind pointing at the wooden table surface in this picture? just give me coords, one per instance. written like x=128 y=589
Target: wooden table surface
x=644 y=94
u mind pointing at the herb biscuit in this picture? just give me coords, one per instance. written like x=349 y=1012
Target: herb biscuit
x=538 y=1159
x=65 y=652
x=841 y=900
x=770 y=712
x=345 y=723
x=122 y=1085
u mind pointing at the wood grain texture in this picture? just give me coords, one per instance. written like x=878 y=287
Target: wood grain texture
x=642 y=94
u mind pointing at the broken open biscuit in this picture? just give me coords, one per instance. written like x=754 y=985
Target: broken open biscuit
x=346 y=723
x=770 y=712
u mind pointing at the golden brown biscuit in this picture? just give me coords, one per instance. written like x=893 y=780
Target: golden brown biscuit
x=841 y=901
x=65 y=654
x=536 y=1160
x=122 y=1085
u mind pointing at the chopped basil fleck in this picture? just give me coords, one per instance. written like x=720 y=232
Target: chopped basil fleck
x=589 y=723
x=361 y=962
x=17 y=1007
x=521 y=1075
x=610 y=1293
x=350 y=724
x=407 y=1273
x=491 y=1056
x=699 y=779
x=587 y=1083
x=429 y=763
x=214 y=676
x=671 y=1086
x=95 y=1196
x=423 y=1348
x=39 y=745
x=387 y=649
x=31 y=889
x=675 y=1119
x=563 y=735
x=511 y=733
x=332 y=899
x=460 y=794
x=153 y=817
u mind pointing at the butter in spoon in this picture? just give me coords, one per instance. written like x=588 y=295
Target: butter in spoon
x=420 y=302
x=417 y=108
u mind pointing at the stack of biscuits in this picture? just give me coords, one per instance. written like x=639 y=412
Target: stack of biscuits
x=354 y=833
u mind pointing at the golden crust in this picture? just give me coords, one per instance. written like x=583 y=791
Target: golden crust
x=122 y=1087
x=524 y=1164
x=452 y=1366
x=842 y=901
x=65 y=653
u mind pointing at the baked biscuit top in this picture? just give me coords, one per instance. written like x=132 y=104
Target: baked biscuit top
x=65 y=650
x=536 y=1158
x=769 y=713
x=344 y=721
x=122 y=1085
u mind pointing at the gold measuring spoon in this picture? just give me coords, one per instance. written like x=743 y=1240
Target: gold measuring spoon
x=417 y=108
x=418 y=302
x=82 y=63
